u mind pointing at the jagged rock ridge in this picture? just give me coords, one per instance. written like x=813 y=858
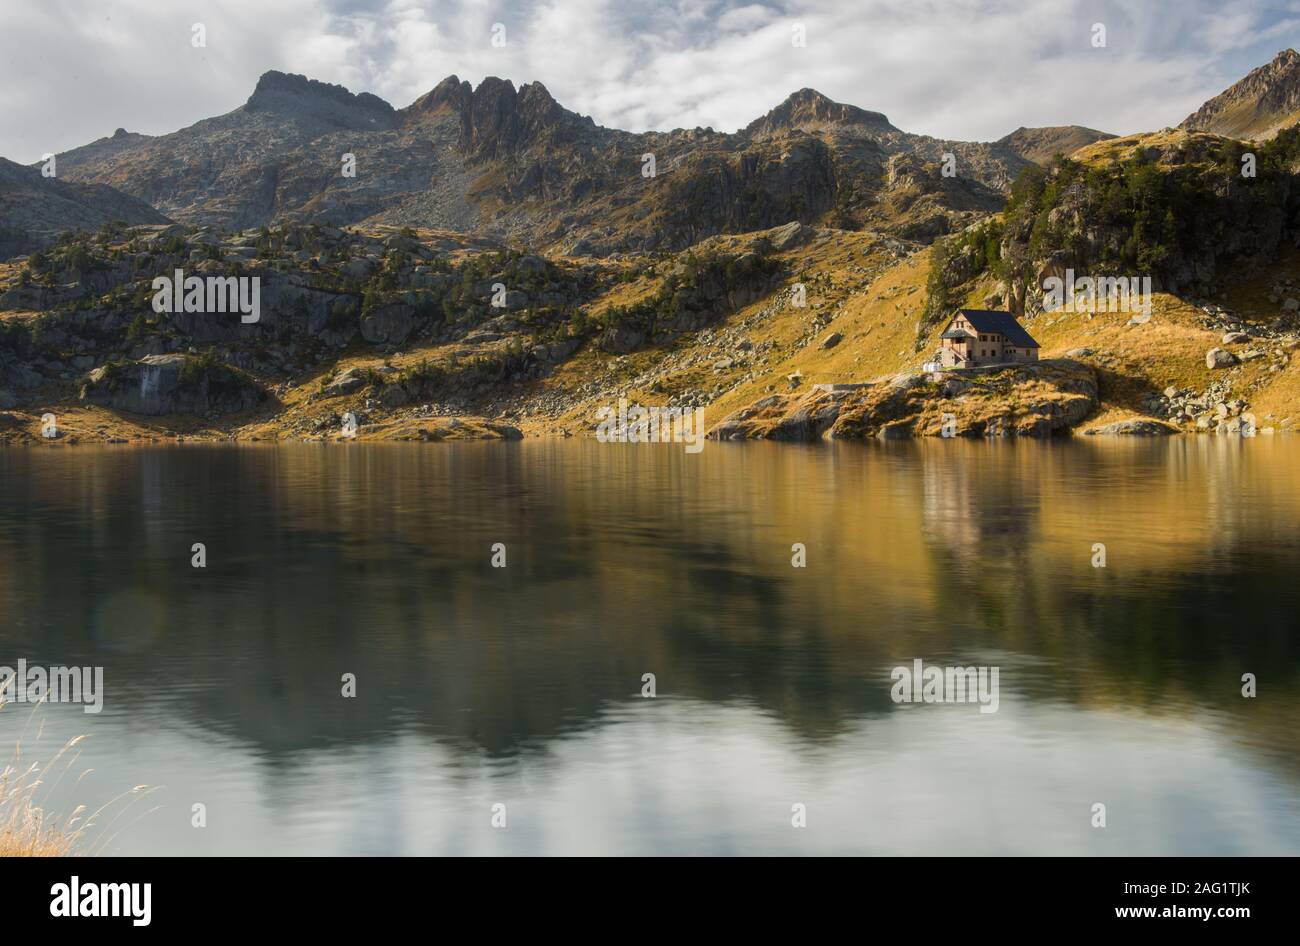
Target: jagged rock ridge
x=514 y=163
x=1258 y=106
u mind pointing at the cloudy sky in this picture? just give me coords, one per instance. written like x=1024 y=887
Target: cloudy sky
x=74 y=70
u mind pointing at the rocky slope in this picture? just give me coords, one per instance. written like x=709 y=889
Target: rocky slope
x=399 y=330
x=35 y=209
x=514 y=163
x=789 y=279
x=1259 y=106
x=1040 y=145
x=280 y=156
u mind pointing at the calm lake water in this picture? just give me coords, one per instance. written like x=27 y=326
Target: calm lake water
x=521 y=685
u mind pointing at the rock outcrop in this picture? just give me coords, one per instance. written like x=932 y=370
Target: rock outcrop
x=1134 y=427
x=171 y=384
x=1037 y=400
x=319 y=105
x=1219 y=358
x=809 y=110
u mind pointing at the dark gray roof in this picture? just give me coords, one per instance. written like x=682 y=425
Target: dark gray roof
x=1003 y=323
x=958 y=333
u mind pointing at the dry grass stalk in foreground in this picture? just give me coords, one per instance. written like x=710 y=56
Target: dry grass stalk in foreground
x=27 y=829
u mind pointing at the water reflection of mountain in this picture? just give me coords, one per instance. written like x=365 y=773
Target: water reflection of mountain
x=622 y=561
x=1193 y=593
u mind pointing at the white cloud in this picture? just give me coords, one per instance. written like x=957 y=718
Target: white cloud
x=971 y=69
x=746 y=18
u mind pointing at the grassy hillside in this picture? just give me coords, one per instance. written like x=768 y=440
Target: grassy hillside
x=720 y=326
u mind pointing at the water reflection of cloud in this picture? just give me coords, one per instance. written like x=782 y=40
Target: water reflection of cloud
x=679 y=776
x=372 y=560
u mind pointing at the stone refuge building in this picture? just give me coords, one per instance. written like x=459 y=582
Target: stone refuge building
x=975 y=338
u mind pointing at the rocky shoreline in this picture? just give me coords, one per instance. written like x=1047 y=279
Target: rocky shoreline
x=1039 y=400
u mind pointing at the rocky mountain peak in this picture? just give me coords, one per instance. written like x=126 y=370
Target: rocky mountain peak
x=450 y=95
x=1265 y=101
x=297 y=97
x=1040 y=145
x=496 y=119
x=511 y=160
x=809 y=109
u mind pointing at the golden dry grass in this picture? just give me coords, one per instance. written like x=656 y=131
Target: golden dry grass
x=876 y=315
x=1169 y=140
x=854 y=283
x=28 y=828
x=878 y=322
